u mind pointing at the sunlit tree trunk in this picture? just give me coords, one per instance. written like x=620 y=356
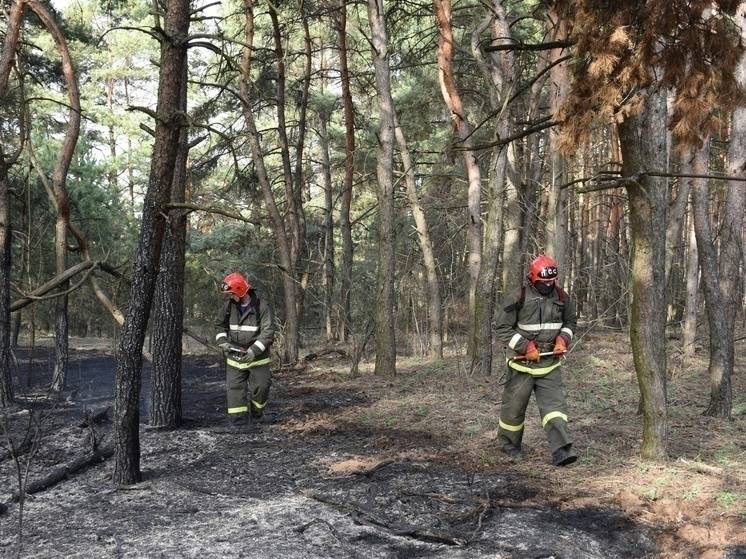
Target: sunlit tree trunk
x=426 y=246
x=345 y=226
x=643 y=143
x=384 y=312
x=326 y=176
x=689 y=329
x=144 y=274
x=463 y=131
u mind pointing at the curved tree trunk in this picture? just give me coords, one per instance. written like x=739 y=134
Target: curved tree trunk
x=463 y=131
x=278 y=227
x=385 y=317
x=59 y=178
x=144 y=275
x=345 y=226
x=168 y=304
x=426 y=246
x=643 y=143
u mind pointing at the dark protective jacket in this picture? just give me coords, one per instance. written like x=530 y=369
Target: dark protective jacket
x=254 y=329
x=539 y=318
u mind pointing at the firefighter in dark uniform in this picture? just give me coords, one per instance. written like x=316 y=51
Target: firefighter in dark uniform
x=245 y=323
x=537 y=325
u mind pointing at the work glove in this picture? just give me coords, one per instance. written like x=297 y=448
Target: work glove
x=225 y=346
x=532 y=352
x=246 y=357
x=560 y=346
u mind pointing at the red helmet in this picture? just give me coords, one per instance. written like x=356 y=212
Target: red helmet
x=235 y=284
x=543 y=268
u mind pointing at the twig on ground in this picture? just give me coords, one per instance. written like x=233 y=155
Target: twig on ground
x=362 y=515
x=701 y=467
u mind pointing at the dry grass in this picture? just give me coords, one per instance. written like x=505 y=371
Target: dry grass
x=696 y=500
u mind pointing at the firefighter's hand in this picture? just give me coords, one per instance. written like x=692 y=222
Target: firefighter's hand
x=560 y=346
x=532 y=352
x=225 y=346
x=246 y=357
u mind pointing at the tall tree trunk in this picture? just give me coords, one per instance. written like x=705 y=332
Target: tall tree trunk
x=426 y=246
x=144 y=275
x=559 y=84
x=463 y=131
x=643 y=143
x=731 y=235
x=12 y=32
x=326 y=175
x=278 y=226
x=689 y=330
x=168 y=305
x=721 y=341
x=59 y=178
x=345 y=225
x=384 y=312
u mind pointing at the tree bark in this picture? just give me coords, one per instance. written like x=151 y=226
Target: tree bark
x=384 y=312
x=643 y=143
x=59 y=179
x=326 y=176
x=345 y=225
x=720 y=366
x=168 y=305
x=426 y=246
x=12 y=33
x=165 y=148
x=463 y=131
x=689 y=329
x=278 y=227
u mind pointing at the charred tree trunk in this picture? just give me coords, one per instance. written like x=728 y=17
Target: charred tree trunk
x=345 y=225
x=643 y=143
x=426 y=246
x=168 y=304
x=384 y=313
x=144 y=275
x=12 y=32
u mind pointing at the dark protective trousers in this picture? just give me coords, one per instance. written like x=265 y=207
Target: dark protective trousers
x=550 y=397
x=248 y=389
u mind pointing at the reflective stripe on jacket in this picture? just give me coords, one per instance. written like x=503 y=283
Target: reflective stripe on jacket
x=540 y=318
x=250 y=330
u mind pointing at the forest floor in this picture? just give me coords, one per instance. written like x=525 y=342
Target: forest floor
x=371 y=467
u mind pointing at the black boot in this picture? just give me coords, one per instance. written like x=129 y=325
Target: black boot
x=564 y=456
x=512 y=451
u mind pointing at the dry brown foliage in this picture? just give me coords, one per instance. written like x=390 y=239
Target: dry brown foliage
x=691 y=47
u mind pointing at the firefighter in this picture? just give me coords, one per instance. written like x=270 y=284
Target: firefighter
x=246 y=324
x=537 y=325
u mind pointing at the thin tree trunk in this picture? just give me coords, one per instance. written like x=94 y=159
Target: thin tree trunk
x=426 y=246
x=59 y=178
x=345 y=225
x=278 y=227
x=326 y=176
x=144 y=275
x=384 y=312
x=720 y=367
x=559 y=84
x=168 y=304
x=689 y=330
x=463 y=131
x=643 y=143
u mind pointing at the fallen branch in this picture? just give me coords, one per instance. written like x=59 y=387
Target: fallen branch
x=99 y=455
x=51 y=284
x=368 y=517
x=701 y=467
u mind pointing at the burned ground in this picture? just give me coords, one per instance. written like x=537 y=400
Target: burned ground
x=362 y=467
